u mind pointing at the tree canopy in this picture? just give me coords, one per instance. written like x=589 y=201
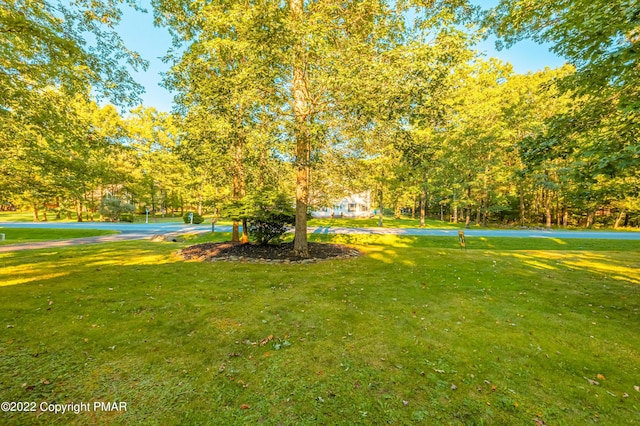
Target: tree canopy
x=318 y=99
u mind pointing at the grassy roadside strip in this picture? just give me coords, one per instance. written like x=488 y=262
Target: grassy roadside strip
x=24 y=235
x=416 y=331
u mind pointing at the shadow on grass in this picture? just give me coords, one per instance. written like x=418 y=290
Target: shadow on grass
x=37 y=265
x=618 y=266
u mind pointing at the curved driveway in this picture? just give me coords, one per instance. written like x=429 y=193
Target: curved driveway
x=138 y=231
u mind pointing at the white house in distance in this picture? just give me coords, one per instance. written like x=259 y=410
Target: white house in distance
x=354 y=205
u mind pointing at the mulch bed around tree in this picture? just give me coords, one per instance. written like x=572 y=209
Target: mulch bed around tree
x=282 y=253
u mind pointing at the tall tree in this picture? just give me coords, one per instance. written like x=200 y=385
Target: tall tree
x=601 y=38
x=45 y=62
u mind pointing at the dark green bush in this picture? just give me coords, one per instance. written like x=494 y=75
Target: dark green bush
x=126 y=217
x=196 y=218
x=268 y=215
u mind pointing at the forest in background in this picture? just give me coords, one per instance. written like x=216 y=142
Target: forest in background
x=320 y=99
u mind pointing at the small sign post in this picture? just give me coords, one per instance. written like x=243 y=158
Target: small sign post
x=463 y=243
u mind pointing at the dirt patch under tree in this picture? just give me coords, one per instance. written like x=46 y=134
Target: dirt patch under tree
x=282 y=253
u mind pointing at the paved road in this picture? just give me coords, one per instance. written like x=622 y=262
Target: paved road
x=127 y=231
x=144 y=229
x=473 y=232
x=137 y=231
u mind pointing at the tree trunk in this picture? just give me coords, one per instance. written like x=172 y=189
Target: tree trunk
x=621 y=216
x=235 y=232
x=423 y=207
x=591 y=214
x=547 y=208
x=301 y=132
x=35 y=213
x=245 y=232
x=380 y=207
x=58 y=209
x=79 y=210
x=522 y=208
x=467 y=209
x=238 y=188
x=455 y=209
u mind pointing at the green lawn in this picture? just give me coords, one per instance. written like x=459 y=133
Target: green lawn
x=24 y=235
x=416 y=331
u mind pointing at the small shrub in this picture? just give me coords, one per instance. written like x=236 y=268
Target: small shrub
x=126 y=217
x=268 y=215
x=272 y=214
x=197 y=219
x=113 y=208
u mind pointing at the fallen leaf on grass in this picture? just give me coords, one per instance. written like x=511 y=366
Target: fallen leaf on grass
x=592 y=382
x=45 y=382
x=453 y=387
x=637 y=388
x=600 y=377
x=245 y=406
x=266 y=340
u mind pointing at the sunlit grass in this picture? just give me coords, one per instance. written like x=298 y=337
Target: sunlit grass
x=416 y=331
x=481 y=243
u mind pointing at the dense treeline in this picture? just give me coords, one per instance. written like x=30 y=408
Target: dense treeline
x=319 y=100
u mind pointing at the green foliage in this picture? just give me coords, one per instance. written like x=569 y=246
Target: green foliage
x=113 y=207
x=270 y=218
x=127 y=217
x=596 y=140
x=268 y=215
x=193 y=216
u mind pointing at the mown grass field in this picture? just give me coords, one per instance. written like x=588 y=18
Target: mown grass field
x=416 y=331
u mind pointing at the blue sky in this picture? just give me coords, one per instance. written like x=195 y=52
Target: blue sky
x=152 y=43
